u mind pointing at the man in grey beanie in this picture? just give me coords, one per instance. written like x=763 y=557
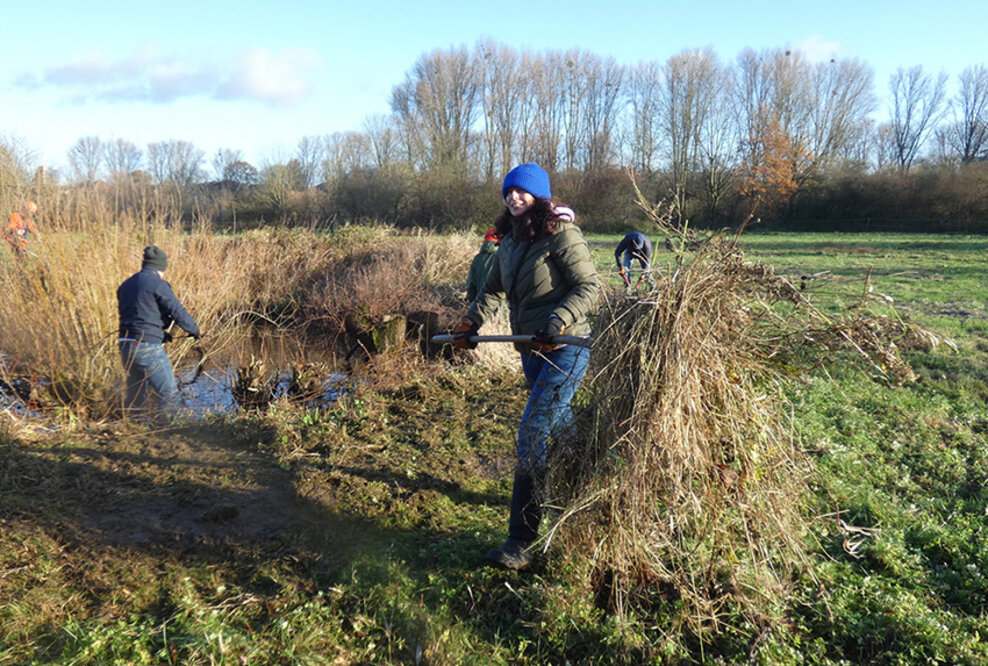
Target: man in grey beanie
x=147 y=307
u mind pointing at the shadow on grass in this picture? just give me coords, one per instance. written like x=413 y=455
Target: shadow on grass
x=138 y=511
x=180 y=490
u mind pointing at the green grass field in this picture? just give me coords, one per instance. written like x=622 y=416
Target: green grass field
x=355 y=534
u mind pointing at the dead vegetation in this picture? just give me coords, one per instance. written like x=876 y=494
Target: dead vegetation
x=684 y=488
x=58 y=317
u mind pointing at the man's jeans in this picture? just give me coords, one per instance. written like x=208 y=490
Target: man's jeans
x=553 y=378
x=149 y=377
x=646 y=269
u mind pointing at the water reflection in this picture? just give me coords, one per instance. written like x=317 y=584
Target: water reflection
x=303 y=374
x=276 y=363
x=213 y=390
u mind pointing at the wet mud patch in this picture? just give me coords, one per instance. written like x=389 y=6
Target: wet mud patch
x=185 y=488
x=101 y=525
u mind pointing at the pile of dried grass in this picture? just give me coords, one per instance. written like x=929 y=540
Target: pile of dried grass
x=686 y=484
x=683 y=488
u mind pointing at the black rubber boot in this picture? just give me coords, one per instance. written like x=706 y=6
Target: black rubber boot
x=523 y=525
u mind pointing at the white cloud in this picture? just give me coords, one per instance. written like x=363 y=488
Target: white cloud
x=91 y=69
x=817 y=49
x=279 y=78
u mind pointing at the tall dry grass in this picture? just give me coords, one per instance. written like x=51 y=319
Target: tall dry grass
x=385 y=273
x=58 y=311
x=58 y=319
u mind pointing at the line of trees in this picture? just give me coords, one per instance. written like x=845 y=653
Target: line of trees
x=695 y=127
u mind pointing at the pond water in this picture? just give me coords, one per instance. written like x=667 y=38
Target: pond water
x=214 y=390
x=278 y=366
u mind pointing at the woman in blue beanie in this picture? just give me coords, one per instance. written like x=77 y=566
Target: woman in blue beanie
x=545 y=272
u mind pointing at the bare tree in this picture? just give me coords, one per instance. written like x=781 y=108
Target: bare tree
x=122 y=158
x=839 y=118
x=346 y=152
x=967 y=136
x=644 y=132
x=571 y=89
x=692 y=115
x=604 y=81
x=185 y=163
x=543 y=114
x=820 y=108
x=885 y=151
x=310 y=153
x=158 y=162
x=437 y=104
x=383 y=136
x=777 y=84
x=86 y=157
x=178 y=162
x=917 y=106
x=504 y=87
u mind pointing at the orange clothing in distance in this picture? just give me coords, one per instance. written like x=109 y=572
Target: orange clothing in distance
x=17 y=230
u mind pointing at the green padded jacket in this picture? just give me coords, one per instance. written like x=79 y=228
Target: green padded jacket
x=480 y=267
x=552 y=275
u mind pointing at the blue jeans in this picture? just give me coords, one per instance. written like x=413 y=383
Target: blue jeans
x=553 y=378
x=149 y=376
x=646 y=269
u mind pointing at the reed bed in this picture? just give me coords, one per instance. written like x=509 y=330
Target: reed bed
x=58 y=318
x=386 y=274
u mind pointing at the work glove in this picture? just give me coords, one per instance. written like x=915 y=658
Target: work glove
x=466 y=329
x=543 y=339
x=167 y=337
x=624 y=276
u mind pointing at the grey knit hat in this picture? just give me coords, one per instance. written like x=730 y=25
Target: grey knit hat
x=155 y=257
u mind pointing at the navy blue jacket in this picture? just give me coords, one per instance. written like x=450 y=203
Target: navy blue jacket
x=147 y=306
x=637 y=246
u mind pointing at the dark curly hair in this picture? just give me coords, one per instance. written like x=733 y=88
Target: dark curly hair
x=541 y=220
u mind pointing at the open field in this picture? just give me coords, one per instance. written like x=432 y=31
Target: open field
x=354 y=534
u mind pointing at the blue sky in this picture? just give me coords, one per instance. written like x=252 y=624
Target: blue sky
x=258 y=76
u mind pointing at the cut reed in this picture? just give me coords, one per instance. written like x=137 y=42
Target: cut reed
x=682 y=495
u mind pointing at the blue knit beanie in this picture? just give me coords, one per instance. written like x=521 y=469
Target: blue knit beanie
x=529 y=177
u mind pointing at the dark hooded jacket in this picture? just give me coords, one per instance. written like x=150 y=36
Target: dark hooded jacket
x=148 y=306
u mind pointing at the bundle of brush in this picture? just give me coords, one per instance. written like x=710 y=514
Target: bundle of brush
x=681 y=496
x=683 y=484
x=876 y=340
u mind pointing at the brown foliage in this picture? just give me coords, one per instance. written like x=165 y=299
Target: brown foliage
x=768 y=175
